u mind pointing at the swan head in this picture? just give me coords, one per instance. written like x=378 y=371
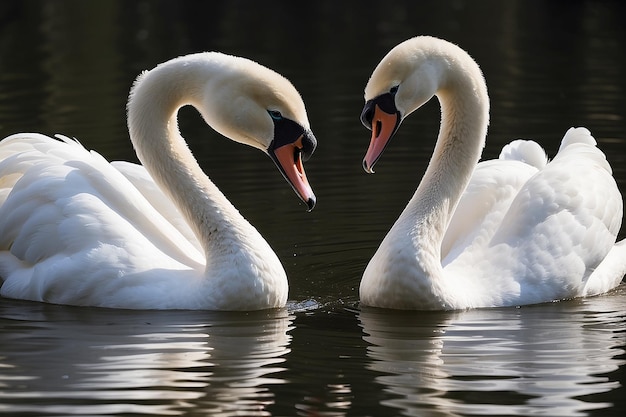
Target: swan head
x=253 y=105
x=256 y=106
x=406 y=78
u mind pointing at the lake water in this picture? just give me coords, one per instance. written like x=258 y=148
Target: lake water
x=66 y=67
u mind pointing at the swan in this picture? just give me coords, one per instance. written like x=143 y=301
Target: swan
x=77 y=230
x=511 y=231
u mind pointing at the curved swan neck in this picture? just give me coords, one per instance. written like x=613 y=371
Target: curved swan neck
x=153 y=107
x=462 y=94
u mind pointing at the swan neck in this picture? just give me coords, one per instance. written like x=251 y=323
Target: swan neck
x=153 y=107
x=464 y=119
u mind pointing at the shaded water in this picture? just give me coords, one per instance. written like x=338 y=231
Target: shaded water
x=66 y=67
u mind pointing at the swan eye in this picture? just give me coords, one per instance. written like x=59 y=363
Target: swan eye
x=394 y=89
x=275 y=114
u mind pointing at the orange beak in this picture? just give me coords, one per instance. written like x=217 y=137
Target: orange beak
x=288 y=158
x=384 y=125
x=381 y=116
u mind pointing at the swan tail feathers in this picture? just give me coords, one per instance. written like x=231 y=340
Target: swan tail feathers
x=579 y=143
x=527 y=151
x=609 y=273
x=577 y=135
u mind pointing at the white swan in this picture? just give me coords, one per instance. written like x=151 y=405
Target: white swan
x=77 y=230
x=512 y=231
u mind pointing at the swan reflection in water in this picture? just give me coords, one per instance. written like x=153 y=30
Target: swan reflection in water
x=549 y=358
x=154 y=363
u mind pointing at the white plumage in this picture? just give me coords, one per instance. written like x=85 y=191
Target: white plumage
x=75 y=229
x=511 y=231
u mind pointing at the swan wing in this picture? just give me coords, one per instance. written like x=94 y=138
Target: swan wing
x=540 y=230
x=488 y=196
x=562 y=225
x=68 y=213
x=143 y=182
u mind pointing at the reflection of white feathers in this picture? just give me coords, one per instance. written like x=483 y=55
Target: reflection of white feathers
x=537 y=358
x=155 y=363
x=75 y=229
x=510 y=231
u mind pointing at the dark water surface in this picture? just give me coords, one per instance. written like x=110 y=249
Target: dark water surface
x=66 y=67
